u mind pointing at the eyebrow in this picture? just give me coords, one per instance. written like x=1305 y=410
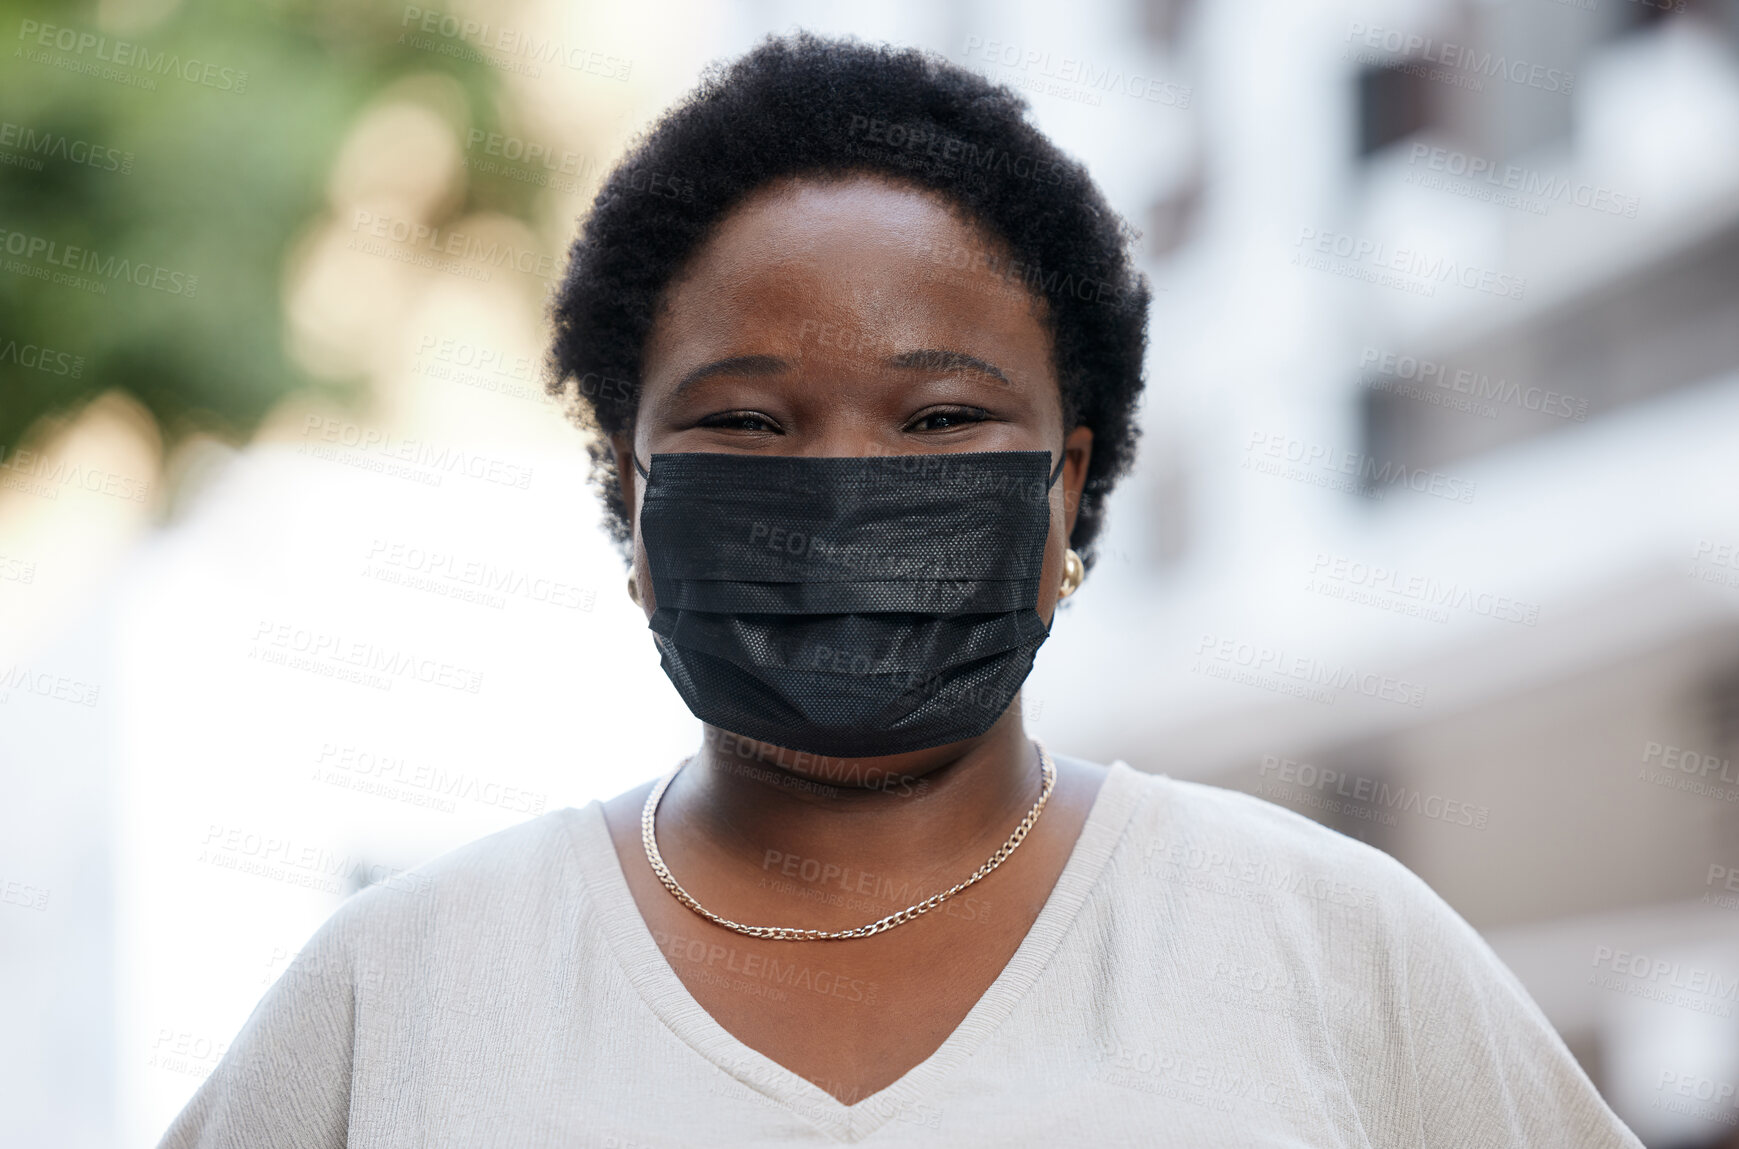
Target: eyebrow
x=935 y=360
x=928 y=359
x=735 y=365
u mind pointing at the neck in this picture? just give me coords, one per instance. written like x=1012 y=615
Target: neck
x=748 y=805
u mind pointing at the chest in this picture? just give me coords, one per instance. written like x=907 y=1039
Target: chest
x=851 y=1016
x=1112 y=1039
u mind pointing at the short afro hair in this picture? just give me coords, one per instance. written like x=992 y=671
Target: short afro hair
x=803 y=105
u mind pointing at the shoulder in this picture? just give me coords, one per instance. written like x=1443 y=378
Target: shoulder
x=517 y=853
x=518 y=876
x=395 y=967
x=1253 y=906
x=1210 y=838
x=1241 y=867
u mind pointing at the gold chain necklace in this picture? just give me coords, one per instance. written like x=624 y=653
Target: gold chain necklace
x=793 y=934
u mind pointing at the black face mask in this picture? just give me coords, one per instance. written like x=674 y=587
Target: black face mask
x=848 y=607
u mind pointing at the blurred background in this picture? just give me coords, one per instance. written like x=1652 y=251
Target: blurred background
x=1434 y=537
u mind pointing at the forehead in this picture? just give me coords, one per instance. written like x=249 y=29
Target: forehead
x=893 y=262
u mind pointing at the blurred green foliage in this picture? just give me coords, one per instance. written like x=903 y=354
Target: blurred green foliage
x=199 y=147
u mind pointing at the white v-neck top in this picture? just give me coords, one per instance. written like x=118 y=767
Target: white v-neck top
x=1210 y=970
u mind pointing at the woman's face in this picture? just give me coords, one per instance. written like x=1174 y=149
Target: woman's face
x=857 y=317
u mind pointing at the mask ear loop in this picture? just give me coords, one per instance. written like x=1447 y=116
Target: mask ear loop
x=633 y=578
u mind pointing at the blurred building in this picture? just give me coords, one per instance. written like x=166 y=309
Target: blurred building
x=1436 y=536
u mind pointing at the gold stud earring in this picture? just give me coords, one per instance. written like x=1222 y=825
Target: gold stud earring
x=633 y=587
x=1073 y=572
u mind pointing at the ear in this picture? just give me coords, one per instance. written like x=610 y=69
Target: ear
x=1077 y=453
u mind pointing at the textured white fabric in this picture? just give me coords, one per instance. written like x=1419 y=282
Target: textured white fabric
x=1210 y=970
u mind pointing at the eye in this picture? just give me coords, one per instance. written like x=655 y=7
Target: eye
x=947 y=418
x=740 y=420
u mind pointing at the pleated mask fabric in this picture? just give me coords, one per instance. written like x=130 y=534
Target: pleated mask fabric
x=849 y=607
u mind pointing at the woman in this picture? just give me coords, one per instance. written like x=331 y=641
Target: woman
x=861 y=350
